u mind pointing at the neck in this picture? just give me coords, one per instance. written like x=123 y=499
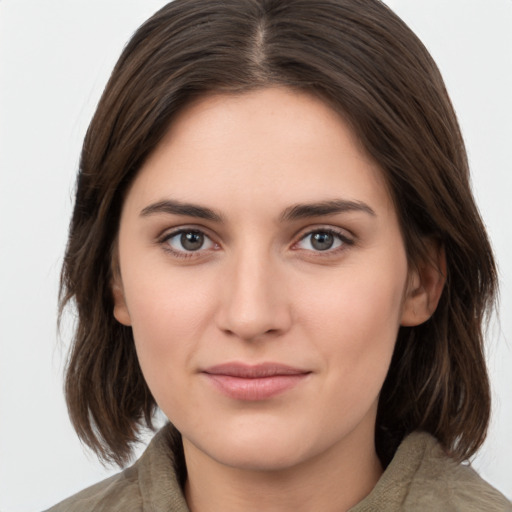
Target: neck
x=333 y=481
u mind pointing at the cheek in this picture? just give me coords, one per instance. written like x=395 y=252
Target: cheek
x=354 y=320
x=168 y=302
x=168 y=312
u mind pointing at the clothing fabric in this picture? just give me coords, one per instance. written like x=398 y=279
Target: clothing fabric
x=420 y=478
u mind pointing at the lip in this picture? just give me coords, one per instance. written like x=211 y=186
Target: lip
x=254 y=382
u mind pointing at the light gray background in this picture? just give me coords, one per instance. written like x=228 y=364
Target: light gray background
x=55 y=57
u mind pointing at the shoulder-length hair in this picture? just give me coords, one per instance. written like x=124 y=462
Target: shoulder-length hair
x=361 y=59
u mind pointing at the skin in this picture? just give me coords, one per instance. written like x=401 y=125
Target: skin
x=258 y=290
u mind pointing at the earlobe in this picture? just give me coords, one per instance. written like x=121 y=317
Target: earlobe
x=121 y=313
x=425 y=286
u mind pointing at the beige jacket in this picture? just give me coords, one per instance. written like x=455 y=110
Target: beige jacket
x=420 y=478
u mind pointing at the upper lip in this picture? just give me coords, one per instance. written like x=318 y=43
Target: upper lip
x=254 y=371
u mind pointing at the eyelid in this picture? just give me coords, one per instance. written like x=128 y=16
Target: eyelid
x=170 y=233
x=346 y=238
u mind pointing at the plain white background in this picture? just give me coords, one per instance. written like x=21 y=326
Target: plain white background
x=55 y=57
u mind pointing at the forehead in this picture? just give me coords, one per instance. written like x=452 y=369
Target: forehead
x=269 y=146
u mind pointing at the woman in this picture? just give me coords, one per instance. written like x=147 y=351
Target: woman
x=274 y=241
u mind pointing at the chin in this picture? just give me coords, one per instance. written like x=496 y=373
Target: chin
x=258 y=458
x=261 y=448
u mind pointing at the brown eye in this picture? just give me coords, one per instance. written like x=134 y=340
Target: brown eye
x=188 y=241
x=321 y=241
x=192 y=240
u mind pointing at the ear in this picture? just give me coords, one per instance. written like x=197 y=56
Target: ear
x=425 y=285
x=121 y=313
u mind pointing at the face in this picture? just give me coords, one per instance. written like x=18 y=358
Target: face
x=263 y=272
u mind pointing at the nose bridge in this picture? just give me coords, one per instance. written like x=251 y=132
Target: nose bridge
x=254 y=300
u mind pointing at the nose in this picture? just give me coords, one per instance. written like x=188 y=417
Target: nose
x=254 y=302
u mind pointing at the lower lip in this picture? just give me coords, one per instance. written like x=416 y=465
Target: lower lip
x=253 y=389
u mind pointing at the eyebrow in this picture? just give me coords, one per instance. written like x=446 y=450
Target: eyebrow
x=302 y=211
x=174 y=207
x=295 y=212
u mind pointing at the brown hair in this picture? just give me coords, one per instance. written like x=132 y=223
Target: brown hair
x=358 y=56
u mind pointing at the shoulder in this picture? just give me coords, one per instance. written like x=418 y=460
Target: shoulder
x=422 y=478
x=151 y=484
x=117 y=493
x=442 y=482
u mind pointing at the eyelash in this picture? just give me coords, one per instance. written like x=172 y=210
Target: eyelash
x=165 y=239
x=341 y=237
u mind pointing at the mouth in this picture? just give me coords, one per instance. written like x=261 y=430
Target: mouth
x=254 y=382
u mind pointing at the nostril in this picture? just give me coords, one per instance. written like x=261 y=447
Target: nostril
x=252 y=305
x=251 y=332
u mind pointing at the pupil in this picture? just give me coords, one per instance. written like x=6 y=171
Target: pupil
x=322 y=241
x=192 y=241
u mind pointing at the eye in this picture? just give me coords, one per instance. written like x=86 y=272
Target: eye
x=188 y=241
x=322 y=240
